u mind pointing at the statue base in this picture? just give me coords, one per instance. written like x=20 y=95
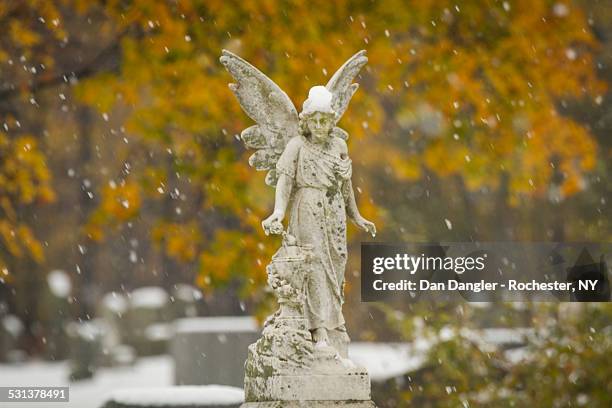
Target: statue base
x=285 y=368
x=309 y=404
x=352 y=386
x=329 y=377
x=284 y=365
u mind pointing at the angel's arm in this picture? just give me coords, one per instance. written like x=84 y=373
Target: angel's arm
x=352 y=210
x=284 y=185
x=273 y=224
x=347 y=186
x=349 y=200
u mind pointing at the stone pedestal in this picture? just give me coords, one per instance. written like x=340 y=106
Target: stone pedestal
x=318 y=387
x=284 y=368
x=327 y=377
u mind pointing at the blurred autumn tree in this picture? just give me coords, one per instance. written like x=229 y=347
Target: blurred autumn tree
x=24 y=180
x=24 y=175
x=465 y=94
x=41 y=58
x=477 y=119
x=464 y=91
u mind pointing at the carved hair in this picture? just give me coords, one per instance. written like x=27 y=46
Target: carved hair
x=303 y=126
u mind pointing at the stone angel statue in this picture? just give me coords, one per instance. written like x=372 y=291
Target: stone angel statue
x=307 y=160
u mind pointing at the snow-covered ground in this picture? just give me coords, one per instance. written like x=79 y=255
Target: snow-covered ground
x=388 y=360
x=185 y=395
x=147 y=372
x=383 y=361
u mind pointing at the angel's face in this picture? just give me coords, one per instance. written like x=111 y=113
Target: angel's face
x=320 y=124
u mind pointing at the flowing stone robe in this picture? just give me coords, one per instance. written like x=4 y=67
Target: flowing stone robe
x=318 y=217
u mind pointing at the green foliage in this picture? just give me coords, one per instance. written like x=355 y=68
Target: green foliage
x=568 y=361
x=565 y=362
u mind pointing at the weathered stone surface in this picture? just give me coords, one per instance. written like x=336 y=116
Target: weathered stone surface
x=302 y=354
x=339 y=339
x=351 y=386
x=327 y=376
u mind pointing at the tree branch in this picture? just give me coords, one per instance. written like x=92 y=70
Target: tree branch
x=90 y=68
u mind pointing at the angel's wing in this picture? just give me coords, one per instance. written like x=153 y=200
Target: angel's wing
x=264 y=102
x=342 y=87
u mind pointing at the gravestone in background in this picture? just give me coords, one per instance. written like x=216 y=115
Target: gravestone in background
x=212 y=350
x=112 y=310
x=10 y=331
x=210 y=396
x=85 y=348
x=54 y=314
x=148 y=317
x=184 y=300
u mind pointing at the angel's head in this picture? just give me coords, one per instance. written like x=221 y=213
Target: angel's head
x=318 y=118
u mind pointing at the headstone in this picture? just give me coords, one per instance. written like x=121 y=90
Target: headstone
x=212 y=350
x=10 y=331
x=209 y=396
x=148 y=318
x=85 y=348
x=54 y=312
x=184 y=301
x=112 y=310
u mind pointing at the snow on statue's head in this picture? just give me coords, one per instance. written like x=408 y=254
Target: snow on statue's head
x=318 y=116
x=319 y=100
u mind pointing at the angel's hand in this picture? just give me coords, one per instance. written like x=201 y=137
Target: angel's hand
x=367 y=226
x=273 y=224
